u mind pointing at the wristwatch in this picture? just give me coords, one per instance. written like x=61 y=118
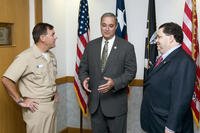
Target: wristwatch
x=21 y=100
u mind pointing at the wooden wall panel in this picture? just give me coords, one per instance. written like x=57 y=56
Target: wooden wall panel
x=16 y=12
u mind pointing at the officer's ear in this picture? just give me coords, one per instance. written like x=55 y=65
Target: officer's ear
x=42 y=38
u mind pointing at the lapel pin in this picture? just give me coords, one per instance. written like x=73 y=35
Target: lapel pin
x=115 y=47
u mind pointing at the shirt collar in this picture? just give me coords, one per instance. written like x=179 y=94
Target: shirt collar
x=111 y=41
x=36 y=51
x=170 y=51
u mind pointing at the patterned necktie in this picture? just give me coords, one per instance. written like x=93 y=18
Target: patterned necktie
x=158 y=61
x=104 y=56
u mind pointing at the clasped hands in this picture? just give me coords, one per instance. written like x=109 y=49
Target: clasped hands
x=102 y=88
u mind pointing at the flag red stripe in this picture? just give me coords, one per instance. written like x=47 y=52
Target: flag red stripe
x=188 y=11
x=187 y=32
x=198 y=72
x=76 y=67
x=196 y=112
x=79 y=54
x=80 y=97
x=187 y=50
x=197 y=92
x=192 y=48
x=83 y=40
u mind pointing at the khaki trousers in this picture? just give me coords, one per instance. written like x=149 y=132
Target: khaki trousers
x=43 y=120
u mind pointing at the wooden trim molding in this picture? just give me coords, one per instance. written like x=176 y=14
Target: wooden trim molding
x=38 y=11
x=65 y=79
x=136 y=82
x=75 y=130
x=70 y=79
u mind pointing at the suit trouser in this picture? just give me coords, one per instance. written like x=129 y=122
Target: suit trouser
x=43 y=120
x=103 y=124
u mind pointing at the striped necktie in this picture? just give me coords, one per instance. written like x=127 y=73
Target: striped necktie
x=158 y=61
x=104 y=56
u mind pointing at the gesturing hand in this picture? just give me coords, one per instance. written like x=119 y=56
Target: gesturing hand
x=107 y=86
x=85 y=84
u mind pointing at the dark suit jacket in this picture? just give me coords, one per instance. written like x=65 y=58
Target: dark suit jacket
x=120 y=66
x=167 y=95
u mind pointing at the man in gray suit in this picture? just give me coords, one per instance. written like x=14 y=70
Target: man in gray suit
x=105 y=74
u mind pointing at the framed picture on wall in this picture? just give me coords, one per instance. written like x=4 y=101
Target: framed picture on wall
x=5 y=34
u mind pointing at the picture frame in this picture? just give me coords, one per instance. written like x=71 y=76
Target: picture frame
x=5 y=34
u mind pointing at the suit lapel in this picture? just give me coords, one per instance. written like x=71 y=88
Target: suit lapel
x=164 y=62
x=98 y=53
x=113 y=54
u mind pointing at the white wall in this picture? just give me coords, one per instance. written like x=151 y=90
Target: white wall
x=63 y=14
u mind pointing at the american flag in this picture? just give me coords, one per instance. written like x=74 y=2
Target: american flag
x=121 y=18
x=191 y=46
x=83 y=38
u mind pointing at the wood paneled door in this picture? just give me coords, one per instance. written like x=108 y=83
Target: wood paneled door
x=15 y=12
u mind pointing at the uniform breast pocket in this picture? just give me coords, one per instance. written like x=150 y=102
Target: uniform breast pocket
x=39 y=71
x=40 y=74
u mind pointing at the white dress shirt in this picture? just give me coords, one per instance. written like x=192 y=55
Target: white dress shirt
x=110 y=44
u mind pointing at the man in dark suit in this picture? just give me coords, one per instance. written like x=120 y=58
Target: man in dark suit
x=106 y=78
x=169 y=87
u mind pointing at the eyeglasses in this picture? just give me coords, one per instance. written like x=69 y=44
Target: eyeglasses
x=153 y=38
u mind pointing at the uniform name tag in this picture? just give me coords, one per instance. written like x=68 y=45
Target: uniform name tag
x=40 y=66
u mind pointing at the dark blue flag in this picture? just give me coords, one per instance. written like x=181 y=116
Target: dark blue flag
x=151 y=51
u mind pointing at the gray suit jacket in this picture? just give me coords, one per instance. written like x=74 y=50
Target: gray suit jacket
x=120 y=66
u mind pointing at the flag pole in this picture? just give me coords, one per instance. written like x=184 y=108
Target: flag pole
x=81 y=121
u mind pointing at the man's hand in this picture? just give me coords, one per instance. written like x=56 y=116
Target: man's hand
x=30 y=104
x=107 y=86
x=167 y=130
x=56 y=97
x=85 y=84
